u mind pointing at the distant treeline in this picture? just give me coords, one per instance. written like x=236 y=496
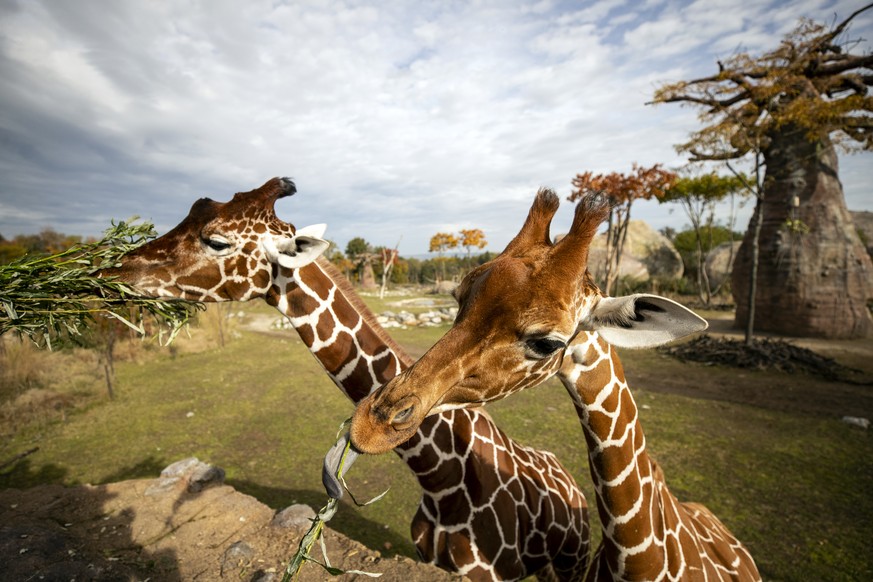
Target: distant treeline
x=406 y=271
x=48 y=242
x=415 y=271
x=410 y=271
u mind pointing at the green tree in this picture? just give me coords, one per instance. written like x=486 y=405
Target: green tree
x=801 y=267
x=698 y=196
x=357 y=247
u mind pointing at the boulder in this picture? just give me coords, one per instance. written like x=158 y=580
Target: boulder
x=647 y=254
x=719 y=263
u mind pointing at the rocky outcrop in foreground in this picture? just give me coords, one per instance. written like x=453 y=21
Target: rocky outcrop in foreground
x=185 y=525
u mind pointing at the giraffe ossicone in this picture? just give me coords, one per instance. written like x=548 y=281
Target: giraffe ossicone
x=491 y=508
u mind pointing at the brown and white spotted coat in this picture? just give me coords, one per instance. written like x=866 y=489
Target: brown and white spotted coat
x=534 y=312
x=491 y=509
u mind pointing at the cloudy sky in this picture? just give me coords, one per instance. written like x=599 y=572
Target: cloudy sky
x=396 y=119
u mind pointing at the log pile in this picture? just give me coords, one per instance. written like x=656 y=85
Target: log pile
x=763 y=354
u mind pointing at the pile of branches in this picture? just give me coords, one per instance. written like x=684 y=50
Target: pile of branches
x=53 y=299
x=762 y=354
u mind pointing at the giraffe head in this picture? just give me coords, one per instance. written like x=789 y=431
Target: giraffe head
x=517 y=315
x=228 y=251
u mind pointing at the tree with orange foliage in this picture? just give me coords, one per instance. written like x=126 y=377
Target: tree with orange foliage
x=440 y=243
x=472 y=238
x=621 y=190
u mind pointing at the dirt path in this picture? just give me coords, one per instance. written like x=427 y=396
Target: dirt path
x=798 y=393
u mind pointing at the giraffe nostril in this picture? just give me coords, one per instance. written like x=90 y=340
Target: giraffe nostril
x=404 y=415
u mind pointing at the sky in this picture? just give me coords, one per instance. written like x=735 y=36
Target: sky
x=397 y=120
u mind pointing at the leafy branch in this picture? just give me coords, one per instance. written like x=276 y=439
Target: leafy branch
x=52 y=299
x=342 y=455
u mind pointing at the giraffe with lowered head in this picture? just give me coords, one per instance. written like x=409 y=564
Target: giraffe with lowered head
x=491 y=509
x=533 y=312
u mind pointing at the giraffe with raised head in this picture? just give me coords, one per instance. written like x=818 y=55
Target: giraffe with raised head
x=491 y=509
x=534 y=312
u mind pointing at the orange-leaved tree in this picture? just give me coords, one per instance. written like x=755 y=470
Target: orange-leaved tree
x=440 y=243
x=472 y=238
x=621 y=190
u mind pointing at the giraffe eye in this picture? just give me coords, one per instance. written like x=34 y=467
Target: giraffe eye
x=543 y=347
x=403 y=416
x=217 y=243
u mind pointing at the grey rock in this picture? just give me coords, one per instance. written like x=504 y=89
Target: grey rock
x=294 y=516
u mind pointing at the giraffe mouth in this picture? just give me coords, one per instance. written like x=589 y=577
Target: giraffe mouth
x=379 y=427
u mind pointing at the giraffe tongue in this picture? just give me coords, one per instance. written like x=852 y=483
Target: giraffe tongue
x=332 y=461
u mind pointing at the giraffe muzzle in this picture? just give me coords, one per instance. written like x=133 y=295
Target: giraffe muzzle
x=378 y=427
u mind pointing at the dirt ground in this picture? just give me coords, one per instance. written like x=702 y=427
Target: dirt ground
x=797 y=393
x=185 y=525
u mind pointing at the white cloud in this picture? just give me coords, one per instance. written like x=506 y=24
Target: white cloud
x=394 y=121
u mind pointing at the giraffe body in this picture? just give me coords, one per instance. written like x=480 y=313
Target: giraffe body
x=491 y=508
x=534 y=312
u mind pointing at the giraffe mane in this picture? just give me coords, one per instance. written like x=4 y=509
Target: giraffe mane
x=366 y=314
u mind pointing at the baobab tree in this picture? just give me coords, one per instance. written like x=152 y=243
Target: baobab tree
x=789 y=109
x=361 y=253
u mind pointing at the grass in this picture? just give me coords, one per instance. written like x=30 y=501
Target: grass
x=794 y=487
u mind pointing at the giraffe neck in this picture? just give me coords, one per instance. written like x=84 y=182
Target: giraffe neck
x=338 y=328
x=357 y=354
x=627 y=483
x=539 y=514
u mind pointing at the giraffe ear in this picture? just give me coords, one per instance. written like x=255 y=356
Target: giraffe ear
x=642 y=321
x=313 y=230
x=297 y=251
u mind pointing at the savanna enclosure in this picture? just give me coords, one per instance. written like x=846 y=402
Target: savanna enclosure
x=766 y=450
x=773 y=436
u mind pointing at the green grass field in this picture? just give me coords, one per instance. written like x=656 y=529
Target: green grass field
x=797 y=489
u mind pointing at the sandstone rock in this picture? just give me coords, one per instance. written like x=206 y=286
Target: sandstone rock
x=719 y=263
x=630 y=267
x=647 y=254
